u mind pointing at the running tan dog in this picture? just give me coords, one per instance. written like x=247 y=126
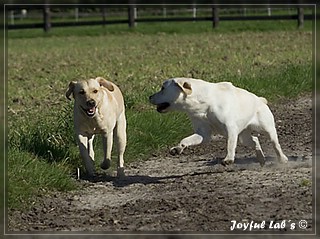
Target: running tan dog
x=219 y=108
x=98 y=109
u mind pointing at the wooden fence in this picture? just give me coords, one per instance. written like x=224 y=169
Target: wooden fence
x=132 y=19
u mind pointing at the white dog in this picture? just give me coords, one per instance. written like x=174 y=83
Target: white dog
x=98 y=109
x=219 y=108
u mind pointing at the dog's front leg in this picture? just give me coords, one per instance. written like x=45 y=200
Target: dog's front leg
x=90 y=147
x=231 y=147
x=107 y=149
x=85 y=147
x=194 y=139
x=121 y=141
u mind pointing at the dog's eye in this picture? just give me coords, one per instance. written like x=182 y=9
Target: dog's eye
x=95 y=91
x=81 y=92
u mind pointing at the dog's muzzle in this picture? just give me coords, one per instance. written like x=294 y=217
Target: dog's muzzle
x=91 y=108
x=161 y=108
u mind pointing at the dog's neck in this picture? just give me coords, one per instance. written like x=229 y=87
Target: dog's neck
x=191 y=104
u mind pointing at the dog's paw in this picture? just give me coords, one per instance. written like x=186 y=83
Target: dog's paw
x=89 y=176
x=105 y=164
x=120 y=173
x=176 y=150
x=227 y=161
x=262 y=161
x=261 y=158
x=283 y=160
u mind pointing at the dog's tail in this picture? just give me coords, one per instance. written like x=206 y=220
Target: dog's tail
x=264 y=100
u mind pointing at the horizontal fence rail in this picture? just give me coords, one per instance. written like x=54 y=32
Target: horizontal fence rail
x=132 y=18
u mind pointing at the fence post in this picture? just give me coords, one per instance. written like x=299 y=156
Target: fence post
x=12 y=17
x=76 y=14
x=194 y=12
x=269 y=11
x=46 y=18
x=164 y=12
x=300 y=17
x=215 y=17
x=131 y=16
x=104 y=15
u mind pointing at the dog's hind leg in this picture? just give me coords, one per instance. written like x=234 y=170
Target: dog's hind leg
x=247 y=139
x=121 y=141
x=282 y=158
x=266 y=120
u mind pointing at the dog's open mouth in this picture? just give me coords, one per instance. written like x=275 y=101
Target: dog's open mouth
x=90 y=112
x=162 y=107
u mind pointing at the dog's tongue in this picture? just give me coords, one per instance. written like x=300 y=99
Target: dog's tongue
x=91 y=111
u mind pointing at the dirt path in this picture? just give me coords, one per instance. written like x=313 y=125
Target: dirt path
x=194 y=192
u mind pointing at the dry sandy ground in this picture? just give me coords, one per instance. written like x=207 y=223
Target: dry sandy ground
x=194 y=193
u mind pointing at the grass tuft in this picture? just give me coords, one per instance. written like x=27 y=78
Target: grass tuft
x=33 y=177
x=50 y=137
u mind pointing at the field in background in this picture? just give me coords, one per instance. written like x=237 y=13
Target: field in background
x=271 y=59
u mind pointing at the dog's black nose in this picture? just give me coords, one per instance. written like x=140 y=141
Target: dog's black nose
x=91 y=103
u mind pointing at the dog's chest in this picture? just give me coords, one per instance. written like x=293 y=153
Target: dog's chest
x=92 y=125
x=210 y=121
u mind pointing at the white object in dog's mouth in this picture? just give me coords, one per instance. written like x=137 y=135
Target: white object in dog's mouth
x=90 y=112
x=162 y=107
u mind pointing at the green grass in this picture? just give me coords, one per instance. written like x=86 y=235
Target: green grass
x=305 y=182
x=274 y=62
x=33 y=176
x=147 y=132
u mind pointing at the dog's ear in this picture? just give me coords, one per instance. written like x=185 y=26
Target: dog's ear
x=185 y=87
x=105 y=83
x=70 y=89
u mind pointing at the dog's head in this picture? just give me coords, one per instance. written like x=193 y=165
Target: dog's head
x=88 y=94
x=173 y=92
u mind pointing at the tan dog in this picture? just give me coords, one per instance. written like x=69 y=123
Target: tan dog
x=219 y=108
x=98 y=109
